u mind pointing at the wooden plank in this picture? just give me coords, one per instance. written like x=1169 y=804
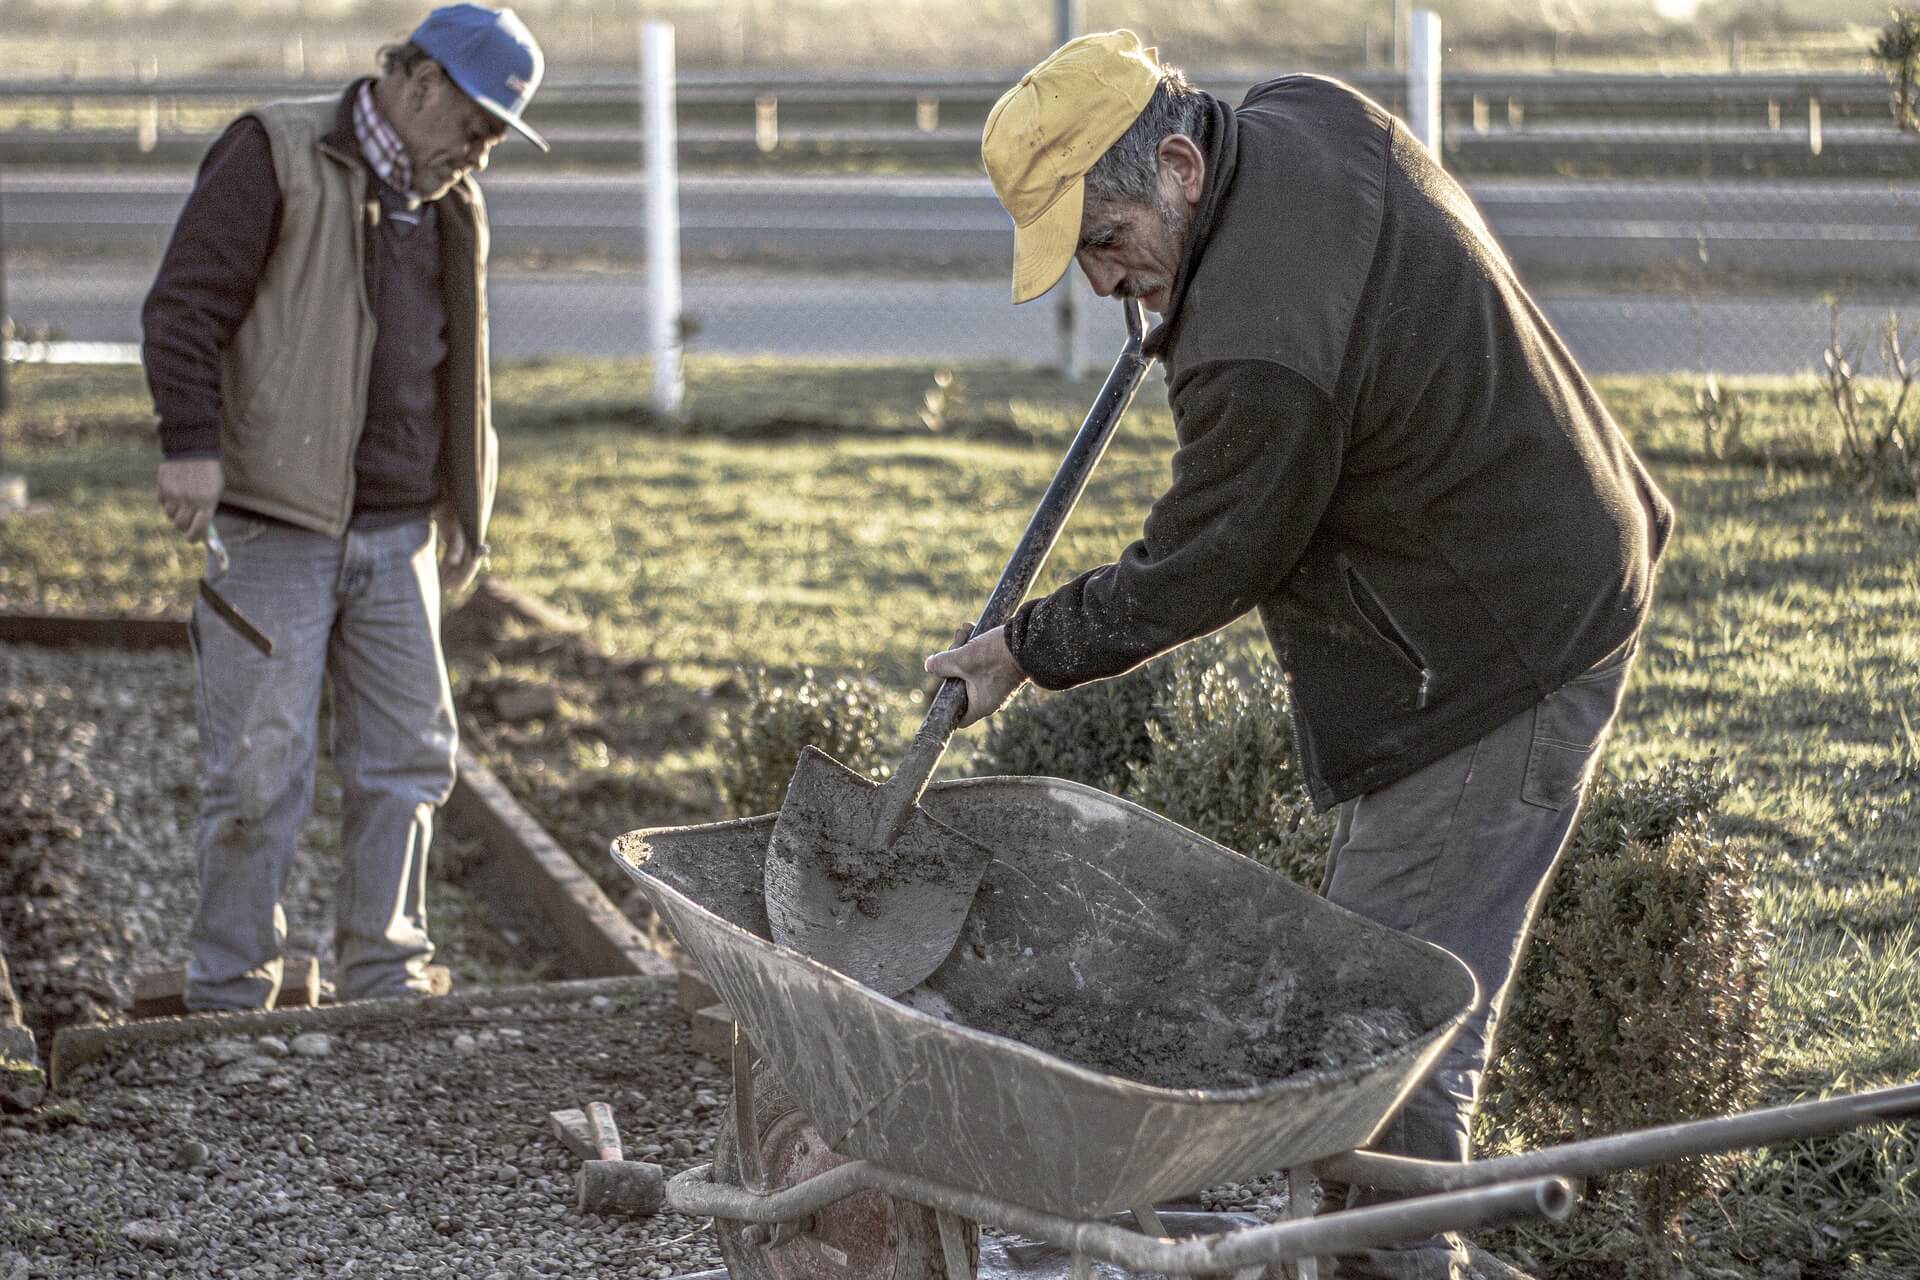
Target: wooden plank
x=597 y=935
x=73 y=1047
x=93 y=631
x=163 y=994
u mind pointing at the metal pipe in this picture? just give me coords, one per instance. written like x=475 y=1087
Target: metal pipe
x=1423 y=80
x=6 y=327
x=1066 y=314
x=666 y=335
x=1640 y=1149
x=695 y=1194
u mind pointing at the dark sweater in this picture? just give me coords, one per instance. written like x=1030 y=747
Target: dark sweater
x=1384 y=448
x=206 y=285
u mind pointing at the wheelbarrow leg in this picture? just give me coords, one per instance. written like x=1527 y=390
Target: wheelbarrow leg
x=1301 y=1189
x=753 y=1175
x=953 y=1246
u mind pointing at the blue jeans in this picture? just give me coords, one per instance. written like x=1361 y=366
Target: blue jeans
x=361 y=613
x=1462 y=854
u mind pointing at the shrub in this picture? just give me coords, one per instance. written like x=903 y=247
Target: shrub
x=1897 y=49
x=1094 y=734
x=1223 y=764
x=1879 y=427
x=842 y=716
x=1640 y=999
x=1184 y=736
x=1722 y=415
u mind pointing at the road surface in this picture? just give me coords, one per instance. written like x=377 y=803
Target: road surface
x=913 y=267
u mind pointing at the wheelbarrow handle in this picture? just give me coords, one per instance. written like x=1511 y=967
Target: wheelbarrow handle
x=909 y=781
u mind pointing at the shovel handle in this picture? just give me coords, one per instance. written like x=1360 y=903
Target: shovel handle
x=904 y=789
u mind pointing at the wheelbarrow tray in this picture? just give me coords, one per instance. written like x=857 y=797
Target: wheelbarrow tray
x=1133 y=1011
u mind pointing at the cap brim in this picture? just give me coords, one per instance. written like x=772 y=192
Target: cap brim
x=1044 y=248
x=493 y=108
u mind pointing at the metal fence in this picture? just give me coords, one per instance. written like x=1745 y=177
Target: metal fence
x=1665 y=223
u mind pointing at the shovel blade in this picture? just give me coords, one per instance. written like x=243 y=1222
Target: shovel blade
x=885 y=913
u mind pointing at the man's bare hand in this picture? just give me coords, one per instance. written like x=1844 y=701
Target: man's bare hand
x=987 y=665
x=190 y=489
x=458 y=564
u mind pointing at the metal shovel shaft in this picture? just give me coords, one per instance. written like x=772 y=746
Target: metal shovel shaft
x=903 y=790
x=1640 y=1149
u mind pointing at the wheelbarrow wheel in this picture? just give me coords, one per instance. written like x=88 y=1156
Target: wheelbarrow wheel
x=870 y=1236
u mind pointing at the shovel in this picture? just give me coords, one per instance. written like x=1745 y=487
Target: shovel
x=859 y=876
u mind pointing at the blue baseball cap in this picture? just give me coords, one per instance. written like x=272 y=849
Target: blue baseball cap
x=490 y=54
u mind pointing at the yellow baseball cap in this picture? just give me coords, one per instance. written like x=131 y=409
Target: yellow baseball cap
x=1047 y=131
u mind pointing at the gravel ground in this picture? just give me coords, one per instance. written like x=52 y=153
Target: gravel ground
x=99 y=786
x=413 y=1142
x=400 y=1141
x=395 y=1146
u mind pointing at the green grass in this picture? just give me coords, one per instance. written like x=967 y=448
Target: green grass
x=806 y=517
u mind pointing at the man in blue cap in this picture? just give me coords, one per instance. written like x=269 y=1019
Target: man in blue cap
x=316 y=346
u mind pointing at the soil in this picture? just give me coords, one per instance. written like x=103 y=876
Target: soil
x=1174 y=1037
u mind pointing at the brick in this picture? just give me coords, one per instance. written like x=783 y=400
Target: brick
x=694 y=993
x=711 y=1031
x=570 y=1126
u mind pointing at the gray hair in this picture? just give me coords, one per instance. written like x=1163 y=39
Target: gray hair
x=402 y=58
x=1129 y=172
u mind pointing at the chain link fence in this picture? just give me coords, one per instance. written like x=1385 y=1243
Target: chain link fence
x=1722 y=223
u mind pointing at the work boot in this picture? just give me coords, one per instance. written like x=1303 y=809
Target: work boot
x=1482 y=1265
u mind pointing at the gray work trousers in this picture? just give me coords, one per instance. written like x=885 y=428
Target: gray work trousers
x=361 y=612
x=1461 y=854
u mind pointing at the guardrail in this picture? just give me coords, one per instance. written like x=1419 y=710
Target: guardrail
x=1496 y=122
x=1539 y=94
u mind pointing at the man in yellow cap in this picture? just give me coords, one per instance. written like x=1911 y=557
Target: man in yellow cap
x=1386 y=450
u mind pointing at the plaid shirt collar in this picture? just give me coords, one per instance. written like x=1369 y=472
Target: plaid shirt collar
x=381 y=145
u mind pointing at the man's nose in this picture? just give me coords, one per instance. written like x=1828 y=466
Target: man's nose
x=1103 y=277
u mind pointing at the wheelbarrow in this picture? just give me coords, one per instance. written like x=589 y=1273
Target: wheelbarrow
x=1132 y=1013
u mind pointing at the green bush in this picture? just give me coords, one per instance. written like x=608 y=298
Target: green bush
x=1093 y=734
x=842 y=716
x=1223 y=764
x=1641 y=996
x=1184 y=736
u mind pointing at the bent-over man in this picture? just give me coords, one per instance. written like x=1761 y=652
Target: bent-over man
x=1386 y=450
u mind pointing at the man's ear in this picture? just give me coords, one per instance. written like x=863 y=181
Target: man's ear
x=1180 y=158
x=421 y=82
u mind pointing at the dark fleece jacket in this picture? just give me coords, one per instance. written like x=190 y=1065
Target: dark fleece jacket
x=1384 y=447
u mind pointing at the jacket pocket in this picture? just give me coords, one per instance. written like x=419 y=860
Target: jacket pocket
x=1373 y=611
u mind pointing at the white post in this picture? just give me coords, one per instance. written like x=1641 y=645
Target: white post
x=1066 y=306
x=1423 y=80
x=665 y=334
